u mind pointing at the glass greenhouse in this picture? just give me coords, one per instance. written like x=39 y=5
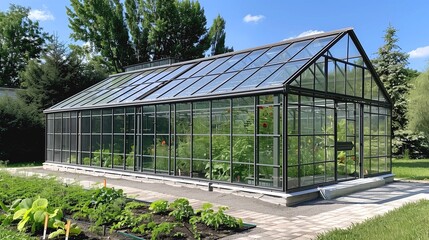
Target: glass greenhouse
x=296 y=114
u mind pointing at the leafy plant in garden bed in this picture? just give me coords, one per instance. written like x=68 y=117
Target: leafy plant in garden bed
x=31 y=216
x=103 y=207
x=176 y=220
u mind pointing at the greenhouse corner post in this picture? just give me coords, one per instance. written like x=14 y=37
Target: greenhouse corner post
x=46 y=137
x=231 y=166
x=284 y=136
x=211 y=139
x=361 y=143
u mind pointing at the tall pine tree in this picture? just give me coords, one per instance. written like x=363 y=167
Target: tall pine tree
x=391 y=68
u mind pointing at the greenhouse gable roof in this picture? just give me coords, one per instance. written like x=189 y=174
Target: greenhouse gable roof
x=266 y=68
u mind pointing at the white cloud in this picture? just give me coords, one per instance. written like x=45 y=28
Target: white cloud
x=420 y=52
x=40 y=15
x=253 y=18
x=305 y=34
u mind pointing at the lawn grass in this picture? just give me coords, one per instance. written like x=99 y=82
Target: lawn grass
x=7 y=164
x=415 y=169
x=408 y=222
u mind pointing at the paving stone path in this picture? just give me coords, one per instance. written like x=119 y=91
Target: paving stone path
x=273 y=220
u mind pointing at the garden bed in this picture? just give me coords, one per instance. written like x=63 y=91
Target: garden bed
x=105 y=213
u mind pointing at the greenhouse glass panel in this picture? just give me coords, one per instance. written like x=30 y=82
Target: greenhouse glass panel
x=267 y=56
x=127 y=80
x=196 y=85
x=174 y=90
x=213 y=84
x=314 y=47
x=151 y=75
x=139 y=94
x=339 y=50
x=195 y=69
x=210 y=67
x=140 y=78
x=234 y=81
x=247 y=60
x=118 y=81
x=162 y=90
x=114 y=96
x=77 y=97
x=261 y=75
x=161 y=75
x=289 y=52
x=92 y=97
x=224 y=67
x=177 y=72
x=283 y=74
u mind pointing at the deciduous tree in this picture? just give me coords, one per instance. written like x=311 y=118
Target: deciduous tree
x=102 y=23
x=21 y=40
x=139 y=34
x=156 y=29
x=417 y=110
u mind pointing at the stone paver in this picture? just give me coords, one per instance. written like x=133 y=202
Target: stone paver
x=273 y=221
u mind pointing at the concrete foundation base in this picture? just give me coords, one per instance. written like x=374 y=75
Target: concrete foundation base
x=285 y=199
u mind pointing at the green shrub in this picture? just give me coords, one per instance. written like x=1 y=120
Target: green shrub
x=217 y=219
x=106 y=195
x=21 y=132
x=180 y=209
x=164 y=228
x=61 y=230
x=159 y=206
x=6 y=218
x=127 y=219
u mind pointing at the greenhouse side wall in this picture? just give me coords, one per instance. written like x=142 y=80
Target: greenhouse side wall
x=233 y=140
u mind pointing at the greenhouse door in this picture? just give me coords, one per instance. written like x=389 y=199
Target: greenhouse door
x=347 y=140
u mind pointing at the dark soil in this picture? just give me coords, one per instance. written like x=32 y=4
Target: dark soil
x=186 y=229
x=183 y=230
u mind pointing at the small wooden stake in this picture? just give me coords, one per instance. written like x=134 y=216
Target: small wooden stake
x=105 y=183
x=68 y=229
x=46 y=225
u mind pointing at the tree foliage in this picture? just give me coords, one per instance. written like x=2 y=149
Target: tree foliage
x=390 y=66
x=21 y=131
x=149 y=30
x=417 y=111
x=139 y=34
x=21 y=40
x=217 y=36
x=59 y=75
x=168 y=28
x=102 y=23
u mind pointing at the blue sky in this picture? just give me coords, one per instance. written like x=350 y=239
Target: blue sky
x=251 y=23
